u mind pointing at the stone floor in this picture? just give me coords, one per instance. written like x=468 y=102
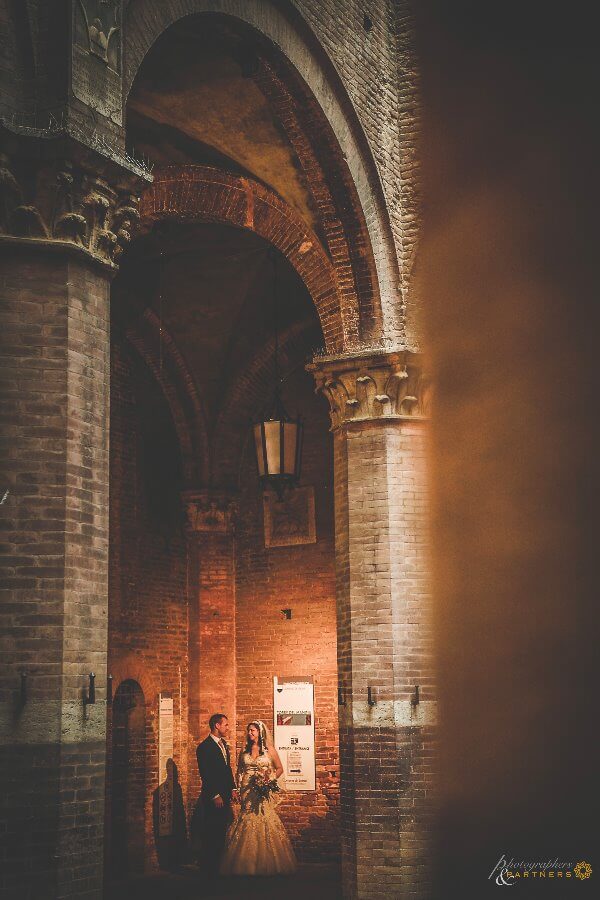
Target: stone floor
x=316 y=882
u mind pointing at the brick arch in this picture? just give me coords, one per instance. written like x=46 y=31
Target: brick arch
x=179 y=389
x=372 y=253
x=334 y=195
x=130 y=667
x=206 y=194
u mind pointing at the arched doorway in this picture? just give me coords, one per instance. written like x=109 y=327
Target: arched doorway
x=127 y=782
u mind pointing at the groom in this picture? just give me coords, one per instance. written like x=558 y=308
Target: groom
x=218 y=790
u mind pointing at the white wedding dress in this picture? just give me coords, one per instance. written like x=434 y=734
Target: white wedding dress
x=257 y=842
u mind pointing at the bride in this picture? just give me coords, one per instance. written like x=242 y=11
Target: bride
x=257 y=842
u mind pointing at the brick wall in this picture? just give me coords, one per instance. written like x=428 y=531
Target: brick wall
x=384 y=642
x=148 y=610
x=153 y=570
x=380 y=84
x=413 y=659
x=55 y=463
x=212 y=682
x=301 y=578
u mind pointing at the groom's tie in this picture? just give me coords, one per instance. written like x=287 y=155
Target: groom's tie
x=223 y=750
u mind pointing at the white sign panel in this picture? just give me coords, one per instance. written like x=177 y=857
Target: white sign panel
x=165 y=734
x=165 y=752
x=294 y=731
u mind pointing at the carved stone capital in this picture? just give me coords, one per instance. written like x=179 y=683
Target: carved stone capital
x=373 y=385
x=64 y=203
x=208 y=511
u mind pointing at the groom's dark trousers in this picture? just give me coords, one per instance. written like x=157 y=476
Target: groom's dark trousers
x=217 y=779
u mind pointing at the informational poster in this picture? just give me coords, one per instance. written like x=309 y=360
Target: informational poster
x=165 y=752
x=165 y=734
x=294 y=730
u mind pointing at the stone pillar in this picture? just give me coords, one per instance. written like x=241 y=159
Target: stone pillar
x=61 y=229
x=211 y=592
x=378 y=405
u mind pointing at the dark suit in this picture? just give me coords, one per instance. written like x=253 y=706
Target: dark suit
x=217 y=778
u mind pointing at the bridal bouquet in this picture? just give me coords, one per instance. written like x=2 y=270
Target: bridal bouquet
x=263 y=785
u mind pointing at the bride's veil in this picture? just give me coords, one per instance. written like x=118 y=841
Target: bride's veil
x=267 y=741
x=265 y=734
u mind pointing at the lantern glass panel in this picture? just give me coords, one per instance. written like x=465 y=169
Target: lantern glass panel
x=289 y=449
x=272 y=437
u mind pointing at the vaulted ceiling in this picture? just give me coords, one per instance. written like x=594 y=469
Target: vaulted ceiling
x=217 y=291
x=191 y=103
x=212 y=286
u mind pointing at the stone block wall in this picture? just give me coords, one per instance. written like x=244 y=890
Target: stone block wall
x=379 y=407
x=384 y=646
x=55 y=369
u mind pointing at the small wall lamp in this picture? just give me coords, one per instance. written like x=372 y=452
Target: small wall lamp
x=371 y=696
x=109 y=689
x=286 y=613
x=415 y=699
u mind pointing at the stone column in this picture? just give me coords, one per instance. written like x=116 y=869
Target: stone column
x=211 y=593
x=62 y=227
x=378 y=404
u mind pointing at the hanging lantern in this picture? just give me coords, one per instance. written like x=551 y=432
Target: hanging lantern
x=278 y=437
x=278 y=440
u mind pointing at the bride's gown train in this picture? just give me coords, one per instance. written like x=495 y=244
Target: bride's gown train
x=257 y=842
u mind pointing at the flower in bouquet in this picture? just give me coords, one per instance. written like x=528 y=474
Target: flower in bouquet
x=263 y=785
